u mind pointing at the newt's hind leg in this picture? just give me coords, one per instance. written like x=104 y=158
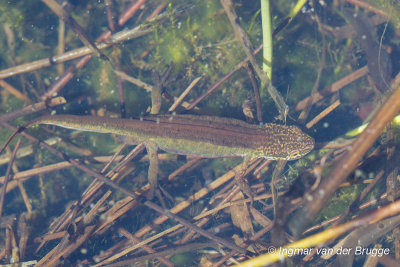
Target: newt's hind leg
x=153 y=168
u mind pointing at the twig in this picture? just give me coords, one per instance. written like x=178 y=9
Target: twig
x=146 y=248
x=179 y=100
x=369 y=7
x=73 y=54
x=256 y=92
x=334 y=87
x=8 y=176
x=14 y=91
x=71 y=22
x=144 y=85
x=33 y=108
x=61 y=45
x=23 y=175
x=323 y=114
x=168 y=252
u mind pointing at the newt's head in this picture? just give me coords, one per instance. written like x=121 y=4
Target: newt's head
x=299 y=144
x=283 y=142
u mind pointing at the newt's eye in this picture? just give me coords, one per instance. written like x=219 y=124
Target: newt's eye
x=294 y=155
x=293 y=151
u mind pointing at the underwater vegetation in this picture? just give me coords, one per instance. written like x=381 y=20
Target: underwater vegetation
x=79 y=198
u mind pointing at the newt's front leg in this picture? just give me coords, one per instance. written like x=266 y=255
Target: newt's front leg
x=241 y=181
x=153 y=168
x=150 y=146
x=152 y=153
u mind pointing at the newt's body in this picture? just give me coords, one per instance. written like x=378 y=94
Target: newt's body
x=203 y=136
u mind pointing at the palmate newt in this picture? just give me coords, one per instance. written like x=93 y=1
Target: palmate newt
x=203 y=136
